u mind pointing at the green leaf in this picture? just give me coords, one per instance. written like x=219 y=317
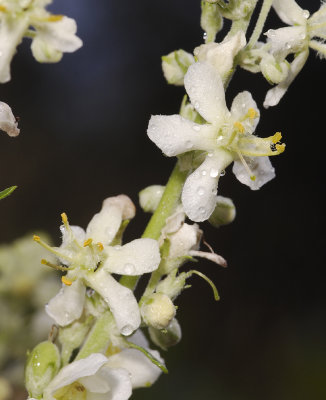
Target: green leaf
x=7 y=192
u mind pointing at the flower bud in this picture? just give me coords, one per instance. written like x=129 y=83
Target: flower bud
x=158 y=311
x=211 y=20
x=42 y=365
x=224 y=212
x=273 y=71
x=150 y=197
x=175 y=66
x=167 y=337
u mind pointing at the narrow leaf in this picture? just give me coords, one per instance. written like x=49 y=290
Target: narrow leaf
x=7 y=192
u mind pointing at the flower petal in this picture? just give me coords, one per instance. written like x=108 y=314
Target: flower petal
x=8 y=122
x=120 y=299
x=284 y=41
x=290 y=12
x=104 y=225
x=275 y=94
x=261 y=168
x=206 y=92
x=185 y=239
x=175 y=135
x=68 y=304
x=70 y=373
x=242 y=103
x=134 y=258
x=200 y=189
x=143 y=372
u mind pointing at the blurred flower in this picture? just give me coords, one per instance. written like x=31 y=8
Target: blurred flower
x=8 y=122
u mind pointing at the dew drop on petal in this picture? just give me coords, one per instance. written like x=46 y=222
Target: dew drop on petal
x=222 y=173
x=205 y=35
x=210 y=154
x=200 y=191
x=129 y=268
x=213 y=173
x=201 y=210
x=196 y=104
x=196 y=128
x=204 y=172
x=306 y=14
x=126 y=330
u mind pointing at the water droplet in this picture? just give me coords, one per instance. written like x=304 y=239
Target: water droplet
x=129 y=268
x=287 y=46
x=188 y=144
x=213 y=173
x=219 y=138
x=196 y=104
x=200 y=191
x=205 y=35
x=306 y=14
x=196 y=128
x=126 y=330
x=222 y=173
x=204 y=172
x=210 y=154
x=243 y=105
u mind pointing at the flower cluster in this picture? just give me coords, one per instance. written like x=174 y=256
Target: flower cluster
x=51 y=34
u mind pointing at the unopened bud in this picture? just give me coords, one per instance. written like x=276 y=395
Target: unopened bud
x=167 y=337
x=211 y=20
x=42 y=365
x=158 y=311
x=150 y=197
x=175 y=65
x=224 y=212
x=273 y=71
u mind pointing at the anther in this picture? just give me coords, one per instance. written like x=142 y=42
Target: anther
x=3 y=8
x=252 y=113
x=88 y=242
x=54 y=18
x=66 y=281
x=36 y=238
x=277 y=137
x=100 y=246
x=239 y=126
x=64 y=218
x=57 y=267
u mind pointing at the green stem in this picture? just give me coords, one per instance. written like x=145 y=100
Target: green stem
x=166 y=207
x=99 y=337
x=260 y=23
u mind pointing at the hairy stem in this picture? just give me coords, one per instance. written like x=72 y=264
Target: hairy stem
x=260 y=23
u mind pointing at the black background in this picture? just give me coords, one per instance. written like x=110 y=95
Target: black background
x=83 y=138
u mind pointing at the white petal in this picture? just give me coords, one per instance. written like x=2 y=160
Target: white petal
x=68 y=304
x=143 y=371
x=200 y=189
x=135 y=258
x=120 y=299
x=240 y=106
x=86 y=367
x=59 y=34
x=175 y=135
x=261 y=168
x=284 y=41
x=104 y=225
x=139 y=339
x=11 y=34
x=275 y=94
x=185 y=239
x=206 y=92
x=221 y=55
x=290 y=12
x=78 y=233
x=8 y=122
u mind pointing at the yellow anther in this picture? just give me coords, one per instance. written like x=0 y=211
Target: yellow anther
x=252 y=113
x=280 y=148
x=3 y=8
x=238 y=125
x=55 y=18
x=253 y=177
x=66 y=281
x=36 y=238
x=100 y=246
x=88 y=242
x=64 y=218
x=277 y=137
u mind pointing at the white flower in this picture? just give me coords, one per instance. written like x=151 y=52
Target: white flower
x=228 y=136
x=91 y=259
x=52 y=34
x=90 y=378
x=294 y=39
x=8 y=122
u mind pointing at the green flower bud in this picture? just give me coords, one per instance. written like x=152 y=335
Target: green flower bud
x=167 y=337
x=273 y=71
x=175 y=65
x=42 y=365
x=157 y=311
x=150 y=197
x=224 y=212
x=211 y=20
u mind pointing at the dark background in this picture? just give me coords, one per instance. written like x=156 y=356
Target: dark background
x=83 y=138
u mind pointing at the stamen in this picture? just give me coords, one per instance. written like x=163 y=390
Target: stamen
x=252 y=113
x=88 y=242
x=238 y=125
x=280 y=148
x=67 y=226
x=51 y=249
x=54 y=18
x=250 y=173
x=66 y=281
x=3 y=8
x=277 y=137
x=64 y=218
x=100 y=246
x=57 y=267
